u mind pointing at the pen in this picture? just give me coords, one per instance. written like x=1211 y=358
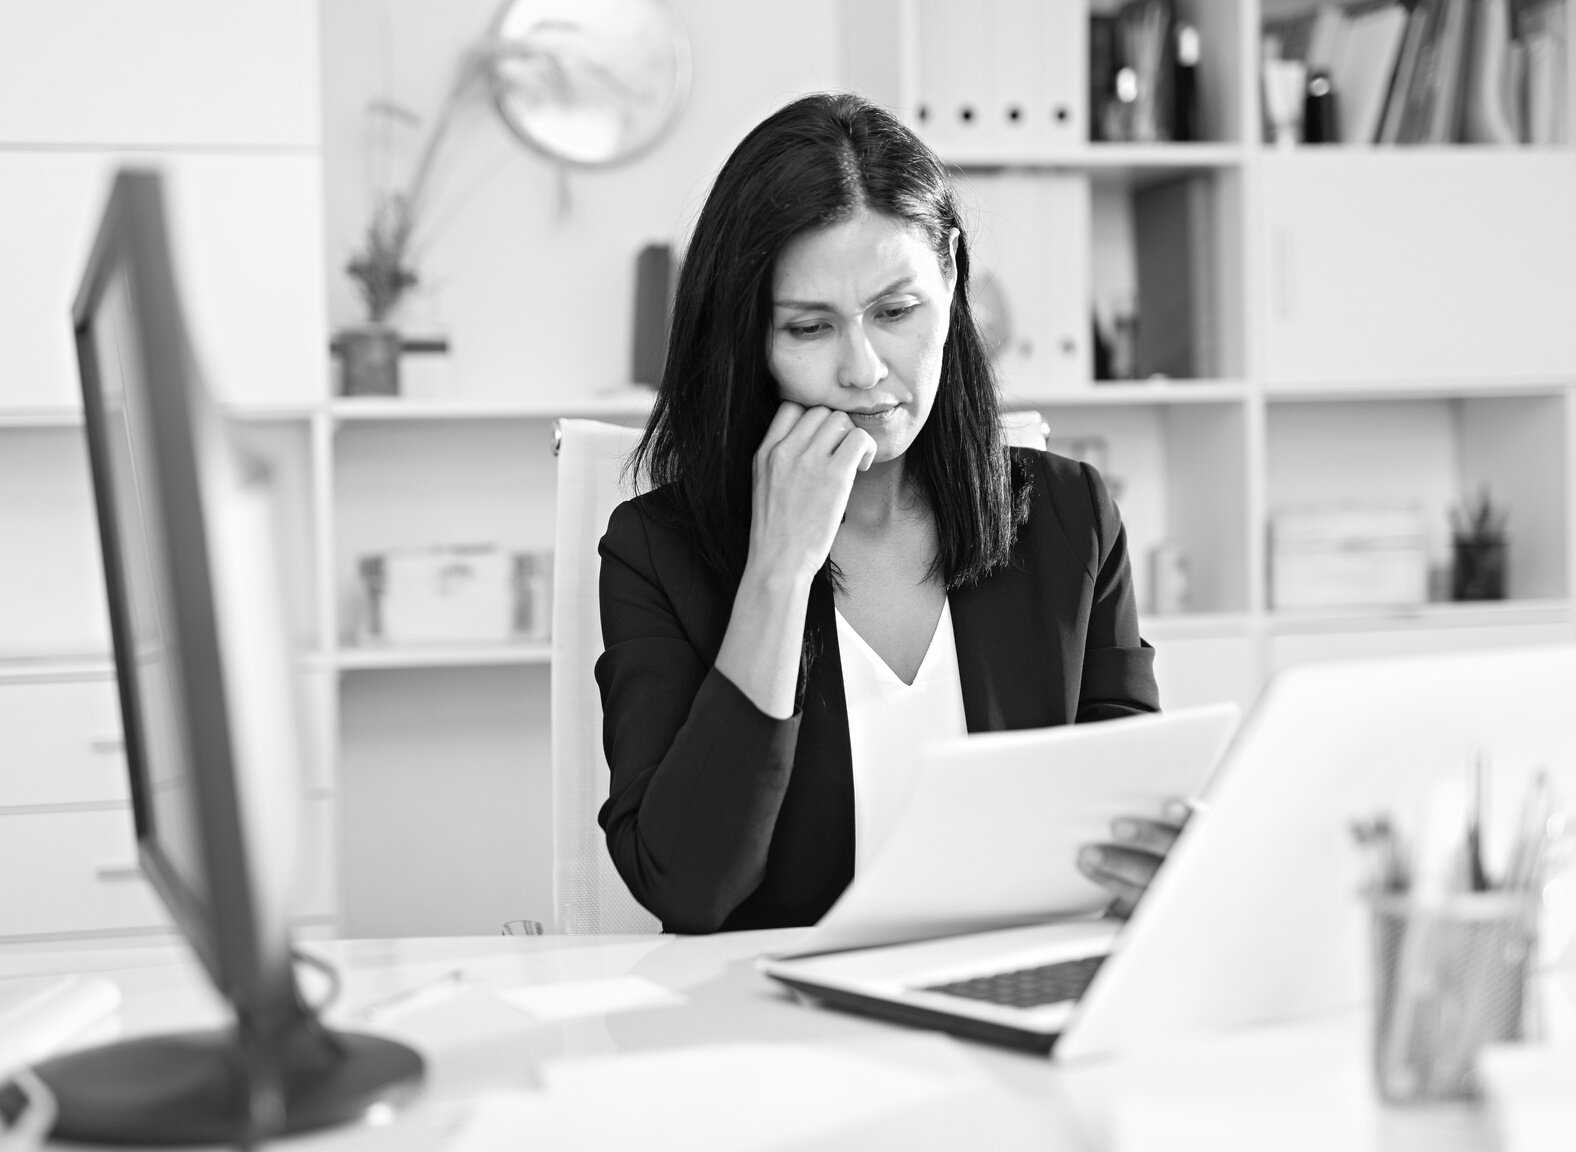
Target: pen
x=426 y=995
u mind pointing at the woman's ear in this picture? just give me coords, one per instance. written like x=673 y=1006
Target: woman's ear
x=952 y=255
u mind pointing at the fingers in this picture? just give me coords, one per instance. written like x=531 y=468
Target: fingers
x=1124 y=872
x=858 y=446
x=783 y=421
x=1152 y=836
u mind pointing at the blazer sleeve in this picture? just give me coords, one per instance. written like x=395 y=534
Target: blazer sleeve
x=1119 y=665
x=698 y=771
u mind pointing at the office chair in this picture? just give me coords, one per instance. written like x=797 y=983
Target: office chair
x=1026 y=429
x=588 y=894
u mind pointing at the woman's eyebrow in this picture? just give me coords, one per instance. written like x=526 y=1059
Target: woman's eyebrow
x=822 y=306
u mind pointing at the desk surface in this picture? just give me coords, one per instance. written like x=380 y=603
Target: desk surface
x=662 y=1042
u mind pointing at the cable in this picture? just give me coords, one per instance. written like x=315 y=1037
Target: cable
x=335 y=982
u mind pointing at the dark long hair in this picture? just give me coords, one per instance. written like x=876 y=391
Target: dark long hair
x=813 y=163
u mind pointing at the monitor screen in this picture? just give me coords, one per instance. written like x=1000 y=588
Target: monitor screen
x=161 y=758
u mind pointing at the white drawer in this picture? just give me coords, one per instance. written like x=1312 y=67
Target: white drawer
x=77 y=872
x=61 y=742
x=73 y=872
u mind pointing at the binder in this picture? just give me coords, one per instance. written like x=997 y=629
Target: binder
x=1174 y=233
x=1362 y=71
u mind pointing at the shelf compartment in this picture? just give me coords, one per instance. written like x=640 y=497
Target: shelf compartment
x=1179 y=473
x=445 y=801
x=463 y=482
x=1428 y=454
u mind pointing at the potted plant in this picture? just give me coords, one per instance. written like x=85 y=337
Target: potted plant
x=383 y=266
x=1477 y=530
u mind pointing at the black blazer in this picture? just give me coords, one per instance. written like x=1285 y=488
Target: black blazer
x=722 y=817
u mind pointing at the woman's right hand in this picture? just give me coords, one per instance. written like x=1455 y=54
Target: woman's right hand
x=803 y=472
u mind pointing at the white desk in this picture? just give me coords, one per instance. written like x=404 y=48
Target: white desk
x=735 y=1064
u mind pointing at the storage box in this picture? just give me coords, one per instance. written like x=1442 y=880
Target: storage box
x=1348 y=557
x=474 y=593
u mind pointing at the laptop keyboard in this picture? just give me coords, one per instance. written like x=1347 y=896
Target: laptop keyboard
x=1028 y=987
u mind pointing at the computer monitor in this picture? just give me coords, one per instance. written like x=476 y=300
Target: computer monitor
x=214 y=739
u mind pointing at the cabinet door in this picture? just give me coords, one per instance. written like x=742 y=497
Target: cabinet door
x=1435 y=266
x=73 y=872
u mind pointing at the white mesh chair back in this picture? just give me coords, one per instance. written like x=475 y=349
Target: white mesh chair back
x=588 y=894
x=1025 y=429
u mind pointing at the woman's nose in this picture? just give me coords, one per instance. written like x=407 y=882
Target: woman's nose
x=860 y=365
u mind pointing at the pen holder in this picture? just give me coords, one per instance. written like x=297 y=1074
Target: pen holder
x=1450 y=976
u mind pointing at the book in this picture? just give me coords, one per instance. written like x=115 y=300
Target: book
x=1173 y=228
x=1416 y=114
x=1445 y=110
x=1406 y=66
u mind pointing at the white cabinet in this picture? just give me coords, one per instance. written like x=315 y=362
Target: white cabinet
x=1454 y=265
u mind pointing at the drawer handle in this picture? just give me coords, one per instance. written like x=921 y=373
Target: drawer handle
x=108 y=744
x=118 y=873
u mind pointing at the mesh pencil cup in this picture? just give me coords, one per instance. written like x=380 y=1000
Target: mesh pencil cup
x=1450 y=975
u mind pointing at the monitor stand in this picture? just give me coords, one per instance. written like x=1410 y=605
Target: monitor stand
x=191 y=1088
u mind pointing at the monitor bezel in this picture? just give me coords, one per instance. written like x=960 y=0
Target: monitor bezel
x=224 y=927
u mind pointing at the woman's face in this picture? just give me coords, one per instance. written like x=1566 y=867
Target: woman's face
x=859 y=317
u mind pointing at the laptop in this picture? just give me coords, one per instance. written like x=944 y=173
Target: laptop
x=1256 y=915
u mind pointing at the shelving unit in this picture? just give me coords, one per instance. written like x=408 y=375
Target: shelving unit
x=1356 y=353
x=1386 y=325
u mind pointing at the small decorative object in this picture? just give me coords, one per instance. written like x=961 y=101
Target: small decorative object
x=1285 y=90
x=590 y=82
x=1319 y=115
x=383 y=267
x=1348 y=556
x=1477 y=530
x=454 y=594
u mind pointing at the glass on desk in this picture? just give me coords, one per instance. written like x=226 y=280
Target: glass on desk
x=1450 y=975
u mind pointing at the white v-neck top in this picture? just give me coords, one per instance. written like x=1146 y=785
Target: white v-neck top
x=888 y=722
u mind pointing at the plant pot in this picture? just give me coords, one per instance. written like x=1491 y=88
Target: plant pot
x=369 y=360
x=1479 y=570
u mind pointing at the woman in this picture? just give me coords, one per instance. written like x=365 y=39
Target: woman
x=839 y=559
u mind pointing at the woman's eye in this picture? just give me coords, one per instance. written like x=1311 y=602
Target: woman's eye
x=897 y=311
x=806 y=330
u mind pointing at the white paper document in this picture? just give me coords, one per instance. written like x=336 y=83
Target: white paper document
x=989 y=836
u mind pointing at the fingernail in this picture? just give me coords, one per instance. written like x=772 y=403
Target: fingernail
x=1090 y=857
x=1124 y=829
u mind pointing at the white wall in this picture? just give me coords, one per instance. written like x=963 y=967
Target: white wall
x=537 y=299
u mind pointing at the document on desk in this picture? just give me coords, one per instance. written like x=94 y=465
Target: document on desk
x=989 y=835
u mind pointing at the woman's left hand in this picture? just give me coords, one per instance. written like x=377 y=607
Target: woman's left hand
x=1128 y=862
